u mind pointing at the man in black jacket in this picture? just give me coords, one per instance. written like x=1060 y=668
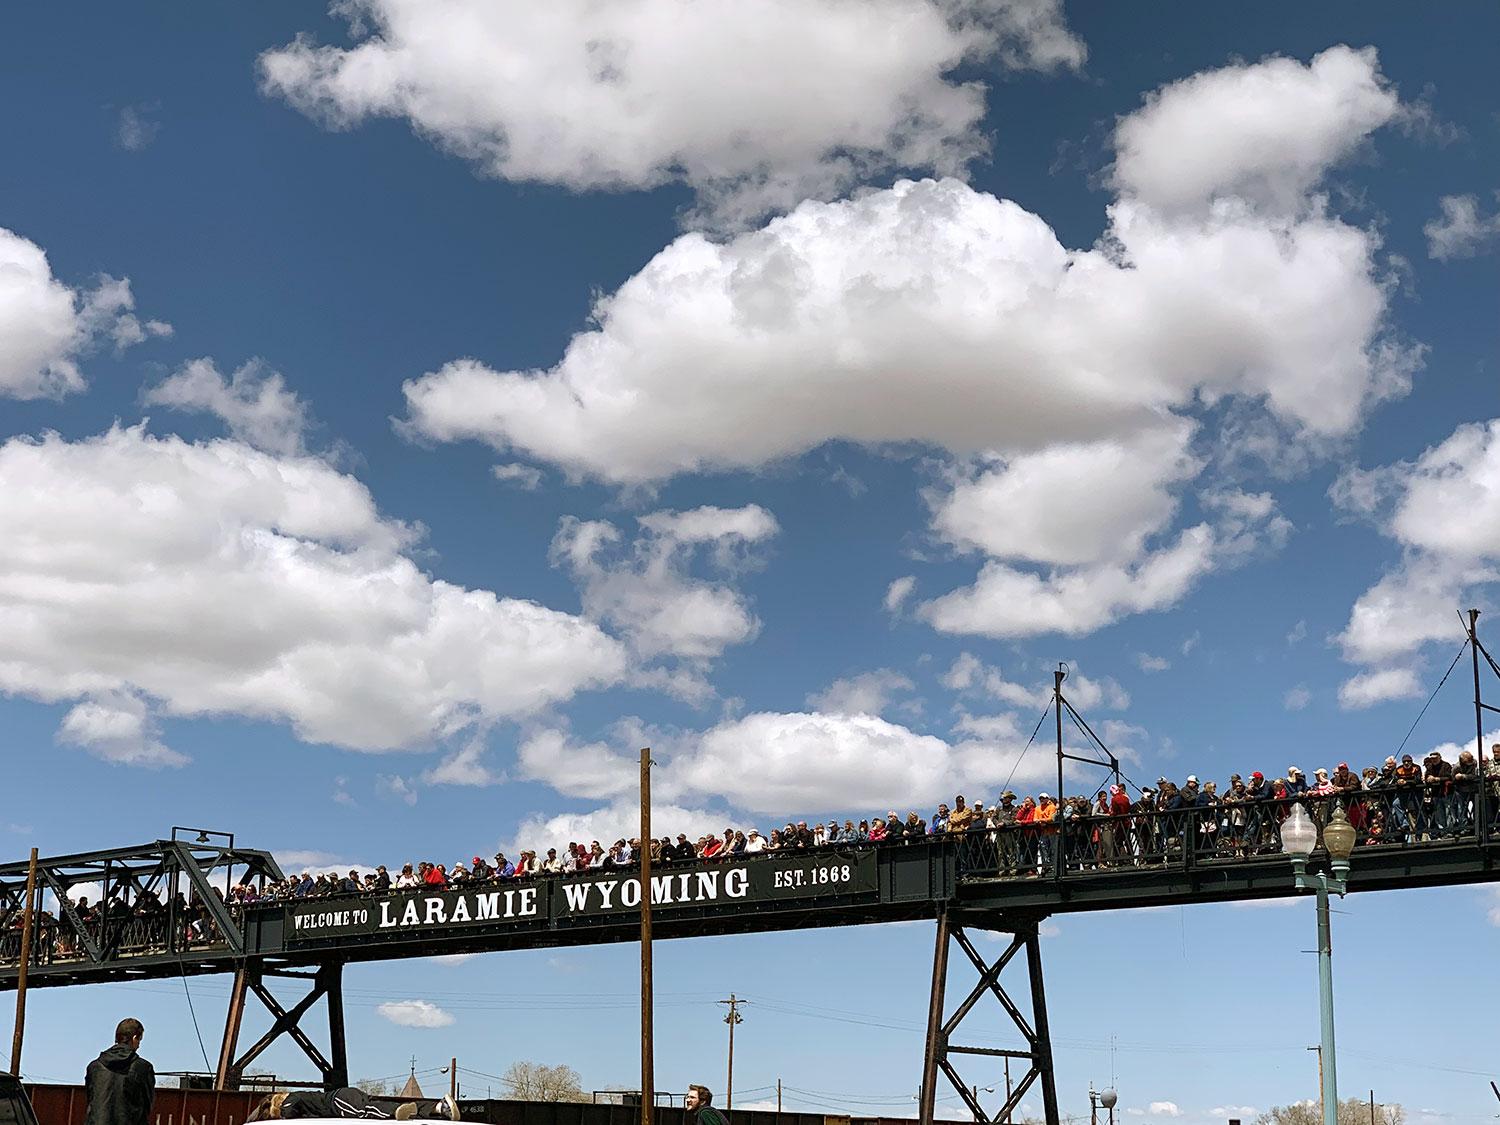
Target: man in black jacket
x=120 y=1085
x=699 y=1109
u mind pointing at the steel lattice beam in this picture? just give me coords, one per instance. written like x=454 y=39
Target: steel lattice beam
x=327 y=983
x=940 y=1048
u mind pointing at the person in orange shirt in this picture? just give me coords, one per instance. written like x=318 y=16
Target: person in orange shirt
x=1046 y=816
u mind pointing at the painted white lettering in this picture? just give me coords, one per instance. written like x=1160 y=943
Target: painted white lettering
x=437 y=912
x=661 y=888
x=487 y=906
x=737 y=882
x=409 y=916
x=708 y=885
x=460 y=910
x=607 y=893
x=510 y=904
x=630 y=892
x=577 y=895
x=682 y=890
x=528 y=901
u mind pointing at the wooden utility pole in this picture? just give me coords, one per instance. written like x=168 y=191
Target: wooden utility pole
x=453 y=1081
x=731 y=1019
x=648 y=1064
x=28 y=921
x=778 y=1101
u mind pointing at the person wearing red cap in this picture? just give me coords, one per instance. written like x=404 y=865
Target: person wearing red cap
x=1347 y=783
x=1345 y=780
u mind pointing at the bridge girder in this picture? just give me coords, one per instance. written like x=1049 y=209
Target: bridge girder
x=250 y=980
x=939 y=1047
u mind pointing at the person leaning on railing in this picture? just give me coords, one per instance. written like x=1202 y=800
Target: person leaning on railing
x=1465 y=786
x=1492 y=780
x=1438 y=780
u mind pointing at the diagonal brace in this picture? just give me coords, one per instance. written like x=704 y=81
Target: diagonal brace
x=70 y=912
x=989 y=979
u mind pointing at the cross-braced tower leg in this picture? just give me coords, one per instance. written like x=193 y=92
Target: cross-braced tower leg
x=327 y=982
x=940 y=1047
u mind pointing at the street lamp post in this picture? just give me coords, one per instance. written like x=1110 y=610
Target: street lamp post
x=1299 y=835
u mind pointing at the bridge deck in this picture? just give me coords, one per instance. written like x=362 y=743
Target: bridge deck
x=982 y=877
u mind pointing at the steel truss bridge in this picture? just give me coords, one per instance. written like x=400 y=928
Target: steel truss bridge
x=161 y=911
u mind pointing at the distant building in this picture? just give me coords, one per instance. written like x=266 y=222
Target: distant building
x=411 y=1091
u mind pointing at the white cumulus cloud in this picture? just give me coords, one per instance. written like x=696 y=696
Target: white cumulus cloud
x=216 y=579
x=774 y=765
x=414 y=1013
x=1443 y=512
x=464 y=766
x=591 y=770
x=754 y=106
x=866 y=693
x=1462 y=231
x=117 y=727
x=47 y=326
x=1264 y=131
x=648 y=591
x=528 y=478
x=930 y=315
x=253 y=403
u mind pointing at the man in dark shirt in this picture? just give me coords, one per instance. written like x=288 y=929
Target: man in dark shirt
x=119 y=1084
x=700 y=1109
x=1439 y=795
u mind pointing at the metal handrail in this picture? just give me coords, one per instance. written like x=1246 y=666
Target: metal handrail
x=1220 y=834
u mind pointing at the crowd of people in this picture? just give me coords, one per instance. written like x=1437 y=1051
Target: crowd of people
x=136 y=922
x=1399 y=802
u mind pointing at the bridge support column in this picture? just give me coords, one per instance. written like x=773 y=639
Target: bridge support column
x=327 y=983
x=940 y=1048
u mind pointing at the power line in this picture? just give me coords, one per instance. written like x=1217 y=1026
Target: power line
x=1017 y=763
x=1462 y=649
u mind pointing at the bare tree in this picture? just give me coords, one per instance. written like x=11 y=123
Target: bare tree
x=1352 y=1111
x=374 y=1087
x=534 y=1082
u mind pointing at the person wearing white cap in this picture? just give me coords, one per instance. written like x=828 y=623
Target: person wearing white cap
x=1296 y=782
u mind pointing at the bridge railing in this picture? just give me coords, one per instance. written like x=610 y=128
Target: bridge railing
x=1229 y=832
x=124 y=933
x=1411 y=817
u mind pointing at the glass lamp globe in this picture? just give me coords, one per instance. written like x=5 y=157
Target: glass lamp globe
x=1298 y=834
x=1338 y=836
x=1108 y=1098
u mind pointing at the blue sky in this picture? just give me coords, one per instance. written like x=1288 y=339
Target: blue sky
x=404 y=422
